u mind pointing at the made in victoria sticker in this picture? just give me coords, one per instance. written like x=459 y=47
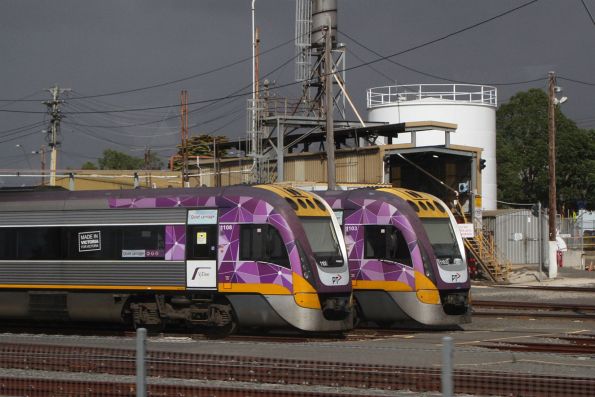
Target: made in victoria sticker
x=90 y=241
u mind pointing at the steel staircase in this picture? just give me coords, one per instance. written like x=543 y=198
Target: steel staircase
x=483 y=249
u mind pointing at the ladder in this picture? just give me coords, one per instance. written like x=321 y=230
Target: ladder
x=483 y=249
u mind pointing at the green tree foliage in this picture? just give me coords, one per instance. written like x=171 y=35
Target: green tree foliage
x=522 y=154
x=114 y=160
x=89 y=165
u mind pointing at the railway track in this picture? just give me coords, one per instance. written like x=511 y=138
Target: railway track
x=533 y=309
x=553 y=288
x=583 y=345
x=303 y=376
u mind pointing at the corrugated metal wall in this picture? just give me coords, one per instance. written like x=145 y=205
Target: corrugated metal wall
x=516 y=234
x=360 y=165
x=353 y=166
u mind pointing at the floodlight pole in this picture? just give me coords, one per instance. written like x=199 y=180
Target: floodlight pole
x=552 y=245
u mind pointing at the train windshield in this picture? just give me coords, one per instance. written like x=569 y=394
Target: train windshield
x=443 y=240
x=323 y=240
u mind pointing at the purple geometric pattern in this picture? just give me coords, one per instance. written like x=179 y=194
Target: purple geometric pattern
x=377 y=212
x=233 y=210
x=175 y=242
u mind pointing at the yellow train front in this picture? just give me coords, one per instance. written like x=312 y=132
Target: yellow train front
x=210 y=257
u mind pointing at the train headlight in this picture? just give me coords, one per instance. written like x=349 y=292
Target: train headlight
x=305 y=264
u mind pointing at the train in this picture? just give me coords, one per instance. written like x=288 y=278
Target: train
x=214 y=258
x=406 y=259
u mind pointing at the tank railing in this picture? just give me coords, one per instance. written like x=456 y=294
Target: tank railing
x=477 y=94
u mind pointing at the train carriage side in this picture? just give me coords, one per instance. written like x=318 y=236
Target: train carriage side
x=154 y=257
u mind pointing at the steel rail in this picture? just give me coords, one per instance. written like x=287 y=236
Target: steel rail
x=534 y=305
x=549 y=288
x=288 y=372
x=542 y=347
x=31 y=387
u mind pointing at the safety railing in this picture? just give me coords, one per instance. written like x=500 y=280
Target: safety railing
x=464 y=93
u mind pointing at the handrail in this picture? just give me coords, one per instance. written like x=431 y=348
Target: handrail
x=463 y=93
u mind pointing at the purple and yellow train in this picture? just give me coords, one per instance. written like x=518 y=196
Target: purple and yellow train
x=401 y=268
x=259 y=256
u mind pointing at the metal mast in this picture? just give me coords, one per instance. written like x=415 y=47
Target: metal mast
x=303 y=45
x=184 y=134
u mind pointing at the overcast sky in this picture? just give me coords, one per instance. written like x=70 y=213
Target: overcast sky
x=98 y=47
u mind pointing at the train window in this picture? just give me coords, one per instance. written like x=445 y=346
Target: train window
x=91 y=243
x=38 y=243
x=7 y=244
x=386 y=242
x=262 y=243
x=375 y=238
x=143 y=242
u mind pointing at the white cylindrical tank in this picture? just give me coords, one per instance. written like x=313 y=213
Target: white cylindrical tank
x=471 y=107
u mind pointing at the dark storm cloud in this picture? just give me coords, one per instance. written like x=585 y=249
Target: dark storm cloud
x=98 y=47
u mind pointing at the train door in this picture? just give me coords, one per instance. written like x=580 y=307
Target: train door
x=201 y=249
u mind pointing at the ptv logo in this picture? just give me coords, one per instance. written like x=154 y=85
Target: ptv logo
x=336 y=279
x=455 y=277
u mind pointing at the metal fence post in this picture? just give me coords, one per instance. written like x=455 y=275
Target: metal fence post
x=447 y=371
x=141 y=370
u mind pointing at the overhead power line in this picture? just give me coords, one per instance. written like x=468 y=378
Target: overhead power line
x=416 y=47
x=446 y=36
x=588 y=12
x=165 y=83
x=434 y=75
x=575 y=81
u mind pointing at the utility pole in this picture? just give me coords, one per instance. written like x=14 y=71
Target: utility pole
x=184 y=135
x=41 y=153
x=553 y=247
x=148 y=166
x=328 y=91
x=56 y=117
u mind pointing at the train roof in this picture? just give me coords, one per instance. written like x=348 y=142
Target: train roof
x=20 y=199
x=424 y=204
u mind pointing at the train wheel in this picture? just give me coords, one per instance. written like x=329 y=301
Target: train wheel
x=223 y=319
x=218 y=332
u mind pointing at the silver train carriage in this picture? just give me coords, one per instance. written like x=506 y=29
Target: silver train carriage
x=253 y=256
